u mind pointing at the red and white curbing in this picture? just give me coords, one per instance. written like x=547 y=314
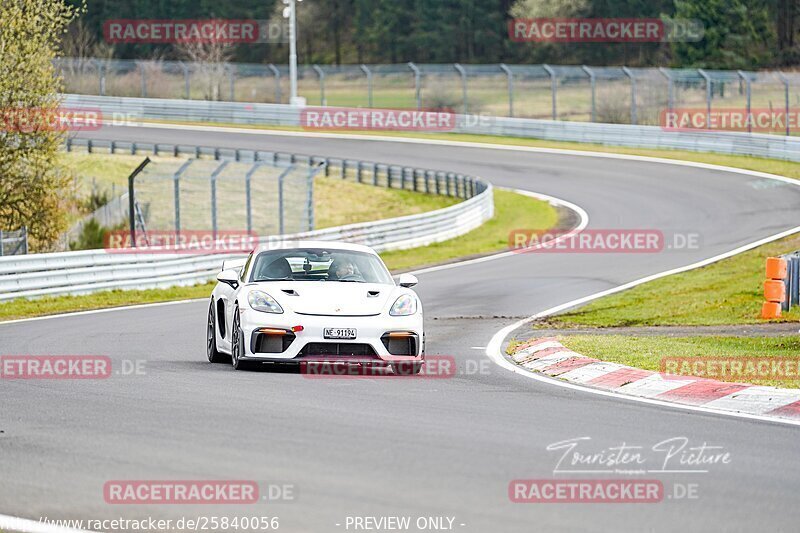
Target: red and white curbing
x=550 y=357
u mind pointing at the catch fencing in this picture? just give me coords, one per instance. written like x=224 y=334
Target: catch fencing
x=14 y=242
x=616 y=95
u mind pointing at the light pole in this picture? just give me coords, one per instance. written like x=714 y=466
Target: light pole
x=290 y=12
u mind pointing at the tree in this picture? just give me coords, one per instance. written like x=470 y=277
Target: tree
x=738 y=34
x=32 y=184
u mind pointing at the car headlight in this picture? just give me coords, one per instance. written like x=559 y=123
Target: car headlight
x=404 y=306
x=261 y=301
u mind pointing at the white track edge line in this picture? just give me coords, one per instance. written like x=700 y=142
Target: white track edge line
x=495 y=345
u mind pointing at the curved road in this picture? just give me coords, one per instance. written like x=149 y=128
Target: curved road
x=411 y=447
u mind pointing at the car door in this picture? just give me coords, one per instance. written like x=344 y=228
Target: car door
x=225 y=308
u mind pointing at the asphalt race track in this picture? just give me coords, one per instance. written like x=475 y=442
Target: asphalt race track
x=404 y=447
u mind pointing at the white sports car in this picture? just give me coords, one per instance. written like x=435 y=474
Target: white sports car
x=315 y=301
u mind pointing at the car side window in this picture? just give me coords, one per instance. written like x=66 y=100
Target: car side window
x=246 y=266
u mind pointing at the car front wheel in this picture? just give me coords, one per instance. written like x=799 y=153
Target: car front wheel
x=237 y=344
x=214 y=355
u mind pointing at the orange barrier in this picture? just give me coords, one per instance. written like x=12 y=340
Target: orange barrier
x=776 y=268
x=774 y=288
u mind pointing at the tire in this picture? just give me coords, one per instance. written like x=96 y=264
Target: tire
x=406 y=369
x=214 y=355
x=237 y=344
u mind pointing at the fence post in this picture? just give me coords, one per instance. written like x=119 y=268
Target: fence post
x=749 y=100
x=2 y=249
x=628 y=72
x=248 y=196
x=510 y=82
x=417 y=82
x=101 y=71
x=280 y=199
x=176 y=186
x=186 y=83
x=553 y=89
x=143 y=76
x=310 y=199
x=321 y=76
x=25 y=240
x=670 y=88
x=708 y=94
x=368 y=72
x=785 y=81
x=463 y=74
x=277 y=74
x=132 y=199
x=593 y=82
x=231 y=81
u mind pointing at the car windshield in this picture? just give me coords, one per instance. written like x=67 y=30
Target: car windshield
x=307 y=264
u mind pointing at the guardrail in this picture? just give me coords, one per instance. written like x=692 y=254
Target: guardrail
x=732 y=143
x=782 y=286
x=93 y=270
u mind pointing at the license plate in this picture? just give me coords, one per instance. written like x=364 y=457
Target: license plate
x=339 y=333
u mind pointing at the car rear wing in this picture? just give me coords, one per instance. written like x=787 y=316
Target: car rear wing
x=233 y=264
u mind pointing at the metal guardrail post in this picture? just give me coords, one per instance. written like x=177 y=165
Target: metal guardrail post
x=510 y=83
x=368 y=72
x=747 y=86
x=277 y=74
x=785 y=82
x=463 y=74
x=795 y=294
x=321 y=76
x=132 y=199
x=709 y=89
x=417 y=83
x=628 y=72
x=553 y=89
x=593 y=83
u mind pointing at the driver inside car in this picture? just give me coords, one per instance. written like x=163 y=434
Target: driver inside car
x=342 y=269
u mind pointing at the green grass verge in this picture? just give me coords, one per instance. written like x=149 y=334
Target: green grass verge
x=727 y=292
x=511 y=211
x=647 y=352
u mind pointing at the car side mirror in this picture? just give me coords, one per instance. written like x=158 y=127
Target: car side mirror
x=230 y=277
x=408 y=280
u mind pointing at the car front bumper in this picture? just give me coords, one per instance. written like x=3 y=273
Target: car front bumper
x=304 y=340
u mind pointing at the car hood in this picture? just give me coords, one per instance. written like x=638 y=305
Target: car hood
x=331 y=298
